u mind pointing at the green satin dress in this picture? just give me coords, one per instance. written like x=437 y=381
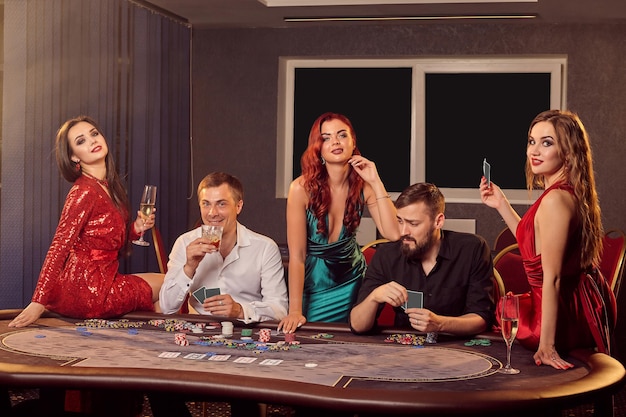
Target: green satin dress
x=333 y=273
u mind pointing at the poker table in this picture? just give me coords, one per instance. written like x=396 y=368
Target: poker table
x=325 y=368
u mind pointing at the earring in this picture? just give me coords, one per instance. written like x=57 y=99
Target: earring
x=77 y=166
x=323 y=161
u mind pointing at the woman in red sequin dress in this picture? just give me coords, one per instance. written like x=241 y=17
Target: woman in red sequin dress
x=79 y=277
x=570 y=304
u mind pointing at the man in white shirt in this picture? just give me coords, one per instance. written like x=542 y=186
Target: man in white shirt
x=247 y=267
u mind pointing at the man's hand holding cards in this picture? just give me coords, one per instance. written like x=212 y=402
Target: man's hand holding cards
x=203 y=293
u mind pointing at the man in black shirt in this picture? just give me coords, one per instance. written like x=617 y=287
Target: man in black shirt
x=453 y=271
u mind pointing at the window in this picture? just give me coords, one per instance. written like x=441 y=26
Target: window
x=423 y=119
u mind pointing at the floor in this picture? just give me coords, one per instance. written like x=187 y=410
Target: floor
x=222 y=409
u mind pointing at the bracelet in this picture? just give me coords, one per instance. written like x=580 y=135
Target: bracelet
x=385 y=196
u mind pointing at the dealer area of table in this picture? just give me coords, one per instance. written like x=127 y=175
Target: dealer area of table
x=327 y=368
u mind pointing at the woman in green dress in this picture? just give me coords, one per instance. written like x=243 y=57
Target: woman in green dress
x=324 y=209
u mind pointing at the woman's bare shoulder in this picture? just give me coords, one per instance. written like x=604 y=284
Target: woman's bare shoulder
x=558 y=202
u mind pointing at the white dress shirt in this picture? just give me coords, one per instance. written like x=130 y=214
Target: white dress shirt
x=252 y=274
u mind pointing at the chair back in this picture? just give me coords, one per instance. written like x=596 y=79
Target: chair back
x=387 y=316
x=505 y=238
x=612 y=259
x=508 y=263
x=161 y=254
x=498 y=286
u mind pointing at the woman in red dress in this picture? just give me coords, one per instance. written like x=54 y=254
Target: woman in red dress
x=570 y=305
x=79 y=277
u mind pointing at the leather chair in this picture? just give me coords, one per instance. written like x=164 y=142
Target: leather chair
x=612 y=260
x=387 y=316
x=508 y=263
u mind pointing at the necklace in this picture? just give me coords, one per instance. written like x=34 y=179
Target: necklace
x=98 y=180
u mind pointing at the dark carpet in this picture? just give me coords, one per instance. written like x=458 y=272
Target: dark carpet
x=222 y=409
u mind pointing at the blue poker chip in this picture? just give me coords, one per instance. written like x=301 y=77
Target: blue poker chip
x=40 y=336
x=133 y=331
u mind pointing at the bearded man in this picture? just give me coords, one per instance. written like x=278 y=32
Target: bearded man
x=451 y=272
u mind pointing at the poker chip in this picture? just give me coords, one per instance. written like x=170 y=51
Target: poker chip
x=227 y=328
x=246 y=332
x=406 y=339
x=478 y=342
x=265 y=335
x=431 y=337
x=310 y=365
x=290 y=337
x=181 y=339
x=322 y=336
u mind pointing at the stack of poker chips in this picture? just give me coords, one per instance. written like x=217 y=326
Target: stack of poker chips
x=181 y=339
x=265 y=335
x=227 y=328
x=290 y=337
x=431 y=337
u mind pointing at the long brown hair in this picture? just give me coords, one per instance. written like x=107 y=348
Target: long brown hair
x=574 y=150
x=316 y=178
x=67 y=167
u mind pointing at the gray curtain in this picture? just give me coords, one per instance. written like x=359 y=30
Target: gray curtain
x=126 y=66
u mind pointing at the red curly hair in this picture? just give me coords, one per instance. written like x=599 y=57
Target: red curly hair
x=316 y=178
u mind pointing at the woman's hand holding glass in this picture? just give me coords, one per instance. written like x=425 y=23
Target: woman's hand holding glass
x=146 y=211
x=143 y=223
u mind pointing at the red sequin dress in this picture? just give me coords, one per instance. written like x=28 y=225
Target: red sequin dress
x=79 y=277
x=587 y=306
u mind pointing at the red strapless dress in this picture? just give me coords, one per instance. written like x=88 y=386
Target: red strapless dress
x=587 y=307
x=79 y=277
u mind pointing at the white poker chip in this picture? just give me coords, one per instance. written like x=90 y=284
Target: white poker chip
x=310 y=365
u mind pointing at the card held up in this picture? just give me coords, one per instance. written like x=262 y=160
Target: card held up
x=487 y=171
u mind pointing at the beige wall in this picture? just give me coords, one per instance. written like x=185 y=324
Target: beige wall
x=235 y=81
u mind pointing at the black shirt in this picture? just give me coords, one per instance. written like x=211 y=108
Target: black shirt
x=461 y=281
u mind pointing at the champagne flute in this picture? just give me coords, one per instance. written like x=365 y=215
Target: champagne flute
x=509 y=319
x=148 y=199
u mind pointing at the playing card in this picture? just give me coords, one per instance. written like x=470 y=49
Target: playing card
x=199 y=294
x=416 y=300
x=487 y=171
x=210 y=292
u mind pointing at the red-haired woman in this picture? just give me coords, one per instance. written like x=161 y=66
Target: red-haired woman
x=324 y=209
